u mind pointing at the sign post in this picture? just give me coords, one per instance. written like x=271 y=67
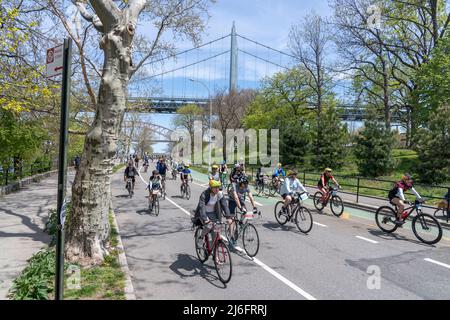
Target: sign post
x=54 y=67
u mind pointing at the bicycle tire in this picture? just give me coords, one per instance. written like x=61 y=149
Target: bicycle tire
x=246 y=241
x=272 y=189
x=302 y=214
x=202 y=253
x=335 y=200
x=222 y=257
x=317 y=203
x=188 y=192
x=383 y=215
x=156 y=207
x=422 y=216
x=281 y=218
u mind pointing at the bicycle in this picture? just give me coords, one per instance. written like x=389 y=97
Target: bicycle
x=163 y=188
x=242 y=226
x=443 y=211
x=261 y=186
x=186 y=190
x=217 y=248
x=295 y=212
x=336 y=203
x=275 y=187
x=386 y=216
x=174 y=174
x=153 y=202
x=130 y=187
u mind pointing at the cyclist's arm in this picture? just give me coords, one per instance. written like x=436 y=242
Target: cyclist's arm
x=400 y=194
x=224 y=206
x=236 y=199
x=301 y=187
x=252 y=200
x=335 y=182
x=202 y=207
x=418 y=197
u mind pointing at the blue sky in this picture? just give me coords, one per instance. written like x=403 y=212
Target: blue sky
x=265 y=21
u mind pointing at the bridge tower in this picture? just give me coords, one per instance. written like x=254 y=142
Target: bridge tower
x=233 y=59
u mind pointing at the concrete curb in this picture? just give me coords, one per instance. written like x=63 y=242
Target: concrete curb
x=129 y=289
x=16 y=186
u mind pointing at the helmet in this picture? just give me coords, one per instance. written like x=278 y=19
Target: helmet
x=406 y=176
x=215 y=184
x=243 y=180
x=187 y=165
x=237 y=165
x=291 y=173
x=328 y=170
x=130 y=163
x=280 y=165
x=215 y=167
x=155 y=172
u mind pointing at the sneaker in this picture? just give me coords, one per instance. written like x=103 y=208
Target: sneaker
x=399 y=223
x=232 y=242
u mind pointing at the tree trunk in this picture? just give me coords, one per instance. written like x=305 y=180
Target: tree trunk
x=88 y=229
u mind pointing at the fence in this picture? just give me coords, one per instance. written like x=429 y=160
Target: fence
x=23 y=170
x=372 y=188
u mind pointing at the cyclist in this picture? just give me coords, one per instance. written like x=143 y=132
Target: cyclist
x=259 y=176
x=277 y=174
x=185 y=175
x=212 y=206
x=236 y=173
x=214 y=174
x=291 y=186
x=240 y=189
x=146 y=164
x=223 y=170
x=130 y=172
x=322 y=185
x=396 y=195
x=154 y=184
x=136 y=160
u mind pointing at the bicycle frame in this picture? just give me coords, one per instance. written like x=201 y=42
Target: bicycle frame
x=215 y=240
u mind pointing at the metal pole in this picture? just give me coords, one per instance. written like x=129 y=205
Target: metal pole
x=210 y=127
x=233 y=59
x=357 y=192
x=62 y=164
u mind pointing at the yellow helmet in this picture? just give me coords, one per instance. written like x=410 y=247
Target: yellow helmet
x=187 y=165
x=328 y=170
x=215 y=167
x=291 y=173
x=215 y=184
x=280 y=165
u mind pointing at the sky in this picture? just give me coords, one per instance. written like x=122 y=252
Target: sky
x=265 y=21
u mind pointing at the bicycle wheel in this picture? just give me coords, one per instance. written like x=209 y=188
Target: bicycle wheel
x=182 y=191
x=337 y=206
x=303 y=220
x=272 y=189
x=385 y=218
x=250 y=240
x=156 y=207
x=188 y=192
x=318 y=204
x=426 y=228
x=222 y=262
x=200 y=246
x=282 y=218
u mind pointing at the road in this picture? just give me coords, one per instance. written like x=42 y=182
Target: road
x=331 y=262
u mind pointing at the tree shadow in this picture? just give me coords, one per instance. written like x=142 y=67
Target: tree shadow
x=187 y=266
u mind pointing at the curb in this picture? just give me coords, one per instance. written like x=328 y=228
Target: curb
x=129 y=289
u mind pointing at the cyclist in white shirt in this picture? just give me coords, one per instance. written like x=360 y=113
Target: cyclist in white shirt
x=291 y=186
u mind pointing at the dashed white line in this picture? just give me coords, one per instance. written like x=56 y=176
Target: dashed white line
x=438 y=263
x=320 y=225
x=368 y=240
x=290 y=284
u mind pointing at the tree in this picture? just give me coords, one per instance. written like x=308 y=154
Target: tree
x=330 y=149
x=433 y=147
x=230 y=109
x=116 y=23
x=373 y=149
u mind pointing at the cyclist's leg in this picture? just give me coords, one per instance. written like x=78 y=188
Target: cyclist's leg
x=287 y=200
x=400 y=207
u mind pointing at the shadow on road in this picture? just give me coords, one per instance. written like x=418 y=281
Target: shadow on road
x=395 y=236
x=187 y=266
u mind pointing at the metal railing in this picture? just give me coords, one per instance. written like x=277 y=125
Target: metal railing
x=23 y=170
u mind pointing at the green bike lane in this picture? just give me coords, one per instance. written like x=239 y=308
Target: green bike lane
x=329 y=263
x=337 y=247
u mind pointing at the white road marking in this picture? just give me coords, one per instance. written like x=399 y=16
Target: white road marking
x=261 y=264
x=368 y=240
x=438 y=263
x=320 y=225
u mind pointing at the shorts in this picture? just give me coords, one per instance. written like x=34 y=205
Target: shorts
x=284 y=195
x=232 y=205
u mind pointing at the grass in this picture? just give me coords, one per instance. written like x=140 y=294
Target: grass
x=118 y=167
x=104 y=282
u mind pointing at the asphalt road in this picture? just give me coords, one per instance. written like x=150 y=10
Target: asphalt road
x=336 y=260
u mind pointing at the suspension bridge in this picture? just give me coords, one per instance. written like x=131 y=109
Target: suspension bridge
x=230 y=62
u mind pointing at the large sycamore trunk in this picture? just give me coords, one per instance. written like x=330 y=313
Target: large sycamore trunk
x=88 y=228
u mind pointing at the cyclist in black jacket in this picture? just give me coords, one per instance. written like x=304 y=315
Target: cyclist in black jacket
x=130 y=172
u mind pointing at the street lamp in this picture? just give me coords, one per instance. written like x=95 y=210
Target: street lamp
x=210 y=117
